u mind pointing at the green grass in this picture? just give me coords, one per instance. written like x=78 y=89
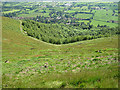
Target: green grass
x=85 y=21
x=101 y=15
x=95 y=23
x=11 y=11
x=29 y=15
x=34 y=14
x=83 y=16
x=84 y=7
x=36 y=64
x=71 y=11
x=85 y=11
x=76 y=8
x=116 y=11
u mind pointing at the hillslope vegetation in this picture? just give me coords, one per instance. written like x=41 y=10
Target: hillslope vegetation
x=29 y=63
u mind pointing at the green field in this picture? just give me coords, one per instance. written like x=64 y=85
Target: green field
x=85 y=21
x=75 y=8
x=104 y=15
x=83 y=16
x=84 y=8
x=29 y=15
x=95 y=23
x=10 y=11
x=71 y=11
x=34 y=14
x=31 y=63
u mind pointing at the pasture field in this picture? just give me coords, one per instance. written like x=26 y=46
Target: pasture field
x=83 y=16
x=96 y=22
x=85 y=21
x=29 y=15
x=11 y=11
x=84 y=8
x=71 y=11
x=33 y=14
x=105 y=15
x=85 y=11
x=31 y=63
x=75 y=8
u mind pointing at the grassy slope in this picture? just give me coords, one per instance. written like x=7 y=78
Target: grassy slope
x=27 y=58
x=15 y=43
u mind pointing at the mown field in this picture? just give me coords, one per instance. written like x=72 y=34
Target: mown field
x=31 y=63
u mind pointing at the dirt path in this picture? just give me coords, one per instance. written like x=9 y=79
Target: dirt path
x=21 y=27
x=32 y=37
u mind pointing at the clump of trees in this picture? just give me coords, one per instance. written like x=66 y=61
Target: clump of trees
x=63 y=34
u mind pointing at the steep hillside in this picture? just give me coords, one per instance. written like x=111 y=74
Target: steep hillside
x=15 y=43
x=30 y=63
